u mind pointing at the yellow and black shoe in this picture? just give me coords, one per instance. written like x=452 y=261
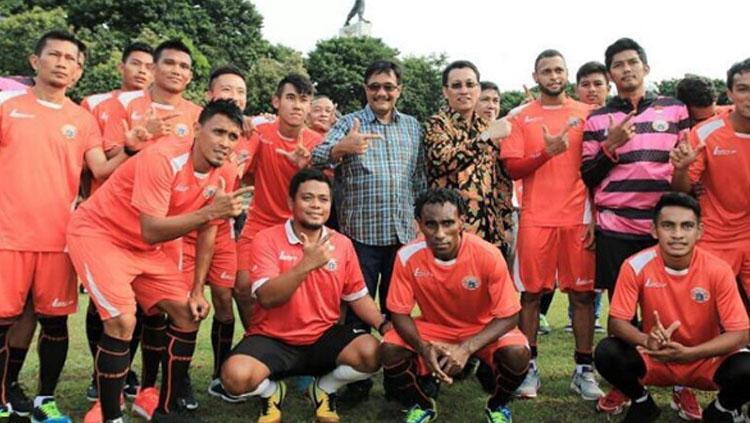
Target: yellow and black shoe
x=270 y=409
x=324 y=403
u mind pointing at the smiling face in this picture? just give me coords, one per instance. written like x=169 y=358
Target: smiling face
x=173 y=71
x=551 y=75
x=231 y=87
x=322 y=113
x=462 y=90
x=382 y=91
x=593 y=89
x=677 y=229
x=58 y=64
x=740 y=94
x=311 y=204
x=488 y=105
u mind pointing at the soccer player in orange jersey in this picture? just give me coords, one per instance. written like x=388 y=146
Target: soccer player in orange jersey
x=135 y=70
x=544 y=150
x=301 y=272
x=717 y=156
x=283 y=147
x=694 y=323
x=699 y=95
x=469 y=307
x=43 y=123
x=115 y=241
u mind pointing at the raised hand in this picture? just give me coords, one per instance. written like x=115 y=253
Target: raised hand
x=226 y=204
x=499 y=129
x=528 y=95
x=683 y=154
x=619 y=133
x=659 y=335
x=355 y=142
x=300 y=156
x=316 y=254
x=555 y=144
x=159 y=126
x=136 y=136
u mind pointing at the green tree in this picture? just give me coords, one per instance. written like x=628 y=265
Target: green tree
x=20 y=33
x=338 y=65
x=422 y=94
x=266 y=73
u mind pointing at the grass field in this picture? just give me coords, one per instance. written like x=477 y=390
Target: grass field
x=462 y=402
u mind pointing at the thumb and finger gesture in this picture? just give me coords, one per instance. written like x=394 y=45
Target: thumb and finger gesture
x=683 y=154
x=300 y=156
x=358 y=142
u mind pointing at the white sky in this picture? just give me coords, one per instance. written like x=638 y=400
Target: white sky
x=503 y=37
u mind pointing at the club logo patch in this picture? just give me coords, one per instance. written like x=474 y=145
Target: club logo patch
x=209 y=191
x=69 y=131
x=332 y=265
x=574 y=121
x=181 y=130
x=471 y=283
x=700 y=295
x=660 y=125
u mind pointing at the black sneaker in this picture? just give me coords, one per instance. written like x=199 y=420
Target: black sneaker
x=642 y=412
x=179 y=414
x=20 y=403
x=712 y=414
x=130 y=390
x=356 y=392
x=215 y=389
x=188 y=396
x=92 y=393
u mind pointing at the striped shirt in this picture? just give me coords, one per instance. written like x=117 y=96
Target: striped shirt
x=375 y=192
x=627 y=187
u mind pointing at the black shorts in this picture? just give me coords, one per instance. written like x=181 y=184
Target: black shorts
x=286 y=360
x=611 y=252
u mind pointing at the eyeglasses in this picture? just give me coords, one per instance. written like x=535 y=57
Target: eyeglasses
x=458 y=84
x=375 y=87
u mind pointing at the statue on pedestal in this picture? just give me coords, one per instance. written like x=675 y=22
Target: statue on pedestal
x=359 y=10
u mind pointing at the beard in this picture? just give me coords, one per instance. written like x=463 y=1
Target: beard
x=310 y=226
x=551 y=93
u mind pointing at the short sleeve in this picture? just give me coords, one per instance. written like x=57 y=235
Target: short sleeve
x=114 y=130
x=152 y=185
x=92 y=134
x=512 y=147
x=505 y=302
x=625 y=300
x=732 y=314
x=264 y=264
x=400 y=293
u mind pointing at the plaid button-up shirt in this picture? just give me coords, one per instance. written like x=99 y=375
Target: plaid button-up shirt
x=375 y=192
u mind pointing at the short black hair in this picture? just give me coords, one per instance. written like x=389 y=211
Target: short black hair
x=696 y=91
x=590 y=68
x=224 y=107
x=546 y=54
x=228 y=69
x=301 y=84
x=304 y=175
x=383 y=66
x=621 y=45
x=173 y=44
x=59 y=36
x=677 y=199
x=136 y=46
x=487 y=85
x=737 y=69
x=459 y=64
x=440 y=196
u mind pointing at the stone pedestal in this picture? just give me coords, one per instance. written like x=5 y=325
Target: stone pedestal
x=359 y=29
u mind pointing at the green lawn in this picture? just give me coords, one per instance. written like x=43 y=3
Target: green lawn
x=460 y=403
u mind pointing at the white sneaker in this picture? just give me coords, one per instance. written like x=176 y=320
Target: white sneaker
x=585 y=384
x=530 y=385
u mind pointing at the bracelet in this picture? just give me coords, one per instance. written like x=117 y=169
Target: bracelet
x=380 y=327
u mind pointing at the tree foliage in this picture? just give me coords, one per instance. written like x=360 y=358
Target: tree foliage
x=422 y=94
x=266 y=73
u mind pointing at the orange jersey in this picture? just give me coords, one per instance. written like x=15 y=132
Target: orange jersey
x=704 y=297
x=315 y=305
x=723 y=168
x=42 y=147
x=273 y=172
x=103 y=106
x=137 y=104
x=554 y=194
x=159 y=182
x=464 y=294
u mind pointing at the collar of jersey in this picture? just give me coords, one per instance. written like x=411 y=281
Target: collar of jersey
x=292 y=237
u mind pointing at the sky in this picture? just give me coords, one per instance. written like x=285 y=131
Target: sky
x=502 y=38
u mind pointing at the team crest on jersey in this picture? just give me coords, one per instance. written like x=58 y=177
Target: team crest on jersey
x=181 y=130
x=242 y=156
x=69 y=131
x=209 y=191
x=332 y=265
x=660 y=125
x=574 y=121
x=699 y=295
x=471 y=283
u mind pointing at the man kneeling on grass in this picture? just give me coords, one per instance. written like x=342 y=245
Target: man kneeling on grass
x=301 y=271
x=469 y=308
x=694 y=322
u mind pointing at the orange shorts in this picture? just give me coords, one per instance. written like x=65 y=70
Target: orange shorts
x=433 y=332
x=697 y=374
x=47 y=276
x=116 y=278
x=243 y=244
x=546 y=255
x=738 y=258
x=223 y=270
